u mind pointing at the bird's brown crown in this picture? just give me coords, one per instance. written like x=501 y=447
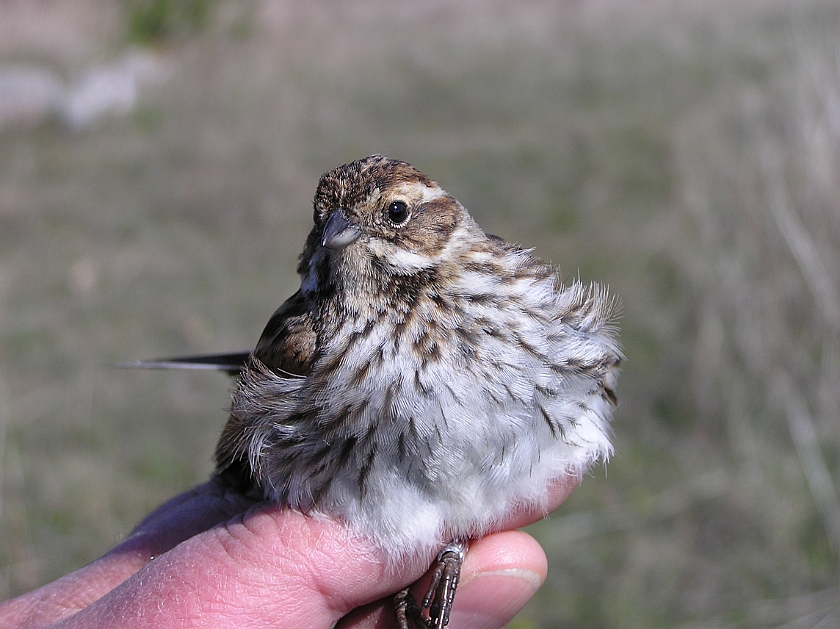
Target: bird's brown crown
x=359 y=183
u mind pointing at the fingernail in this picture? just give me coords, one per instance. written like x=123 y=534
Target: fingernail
x=528 y=576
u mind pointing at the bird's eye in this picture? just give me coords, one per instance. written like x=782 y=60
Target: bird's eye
x=397 y=212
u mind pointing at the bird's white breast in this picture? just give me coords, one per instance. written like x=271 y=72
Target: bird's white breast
x=481 y=416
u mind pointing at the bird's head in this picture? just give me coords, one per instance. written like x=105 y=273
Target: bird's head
x=378 y=216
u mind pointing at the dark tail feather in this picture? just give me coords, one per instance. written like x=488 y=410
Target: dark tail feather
x=231 y=364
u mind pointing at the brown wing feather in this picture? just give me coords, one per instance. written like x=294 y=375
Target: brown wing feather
x=287 y=345
x=288 y=341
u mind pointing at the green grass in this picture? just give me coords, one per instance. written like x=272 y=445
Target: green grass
x=150 y=21
x=639 y=145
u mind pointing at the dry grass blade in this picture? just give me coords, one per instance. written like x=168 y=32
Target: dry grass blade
x=801 y=245
x=804 y=433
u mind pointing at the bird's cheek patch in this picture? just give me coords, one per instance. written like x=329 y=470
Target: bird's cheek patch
x=433 y=225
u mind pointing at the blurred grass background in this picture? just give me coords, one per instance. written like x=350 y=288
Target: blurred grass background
x=687 y=154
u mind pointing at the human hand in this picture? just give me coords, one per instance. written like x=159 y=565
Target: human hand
x=213 y=558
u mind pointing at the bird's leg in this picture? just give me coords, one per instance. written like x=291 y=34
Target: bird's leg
x=441 y=592
x=439 y=596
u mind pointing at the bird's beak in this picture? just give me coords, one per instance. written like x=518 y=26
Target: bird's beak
x=339 y=232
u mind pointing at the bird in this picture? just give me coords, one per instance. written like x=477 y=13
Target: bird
x=426 y=380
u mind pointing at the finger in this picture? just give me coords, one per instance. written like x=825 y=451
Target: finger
x=179 y=519
x=501 y=573
x=272 y=566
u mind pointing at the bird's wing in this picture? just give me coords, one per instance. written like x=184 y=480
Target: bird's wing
x=288 y=342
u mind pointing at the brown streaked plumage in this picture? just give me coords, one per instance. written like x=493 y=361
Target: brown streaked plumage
x=426 y=380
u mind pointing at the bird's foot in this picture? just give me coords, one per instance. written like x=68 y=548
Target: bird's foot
x=440 y=594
